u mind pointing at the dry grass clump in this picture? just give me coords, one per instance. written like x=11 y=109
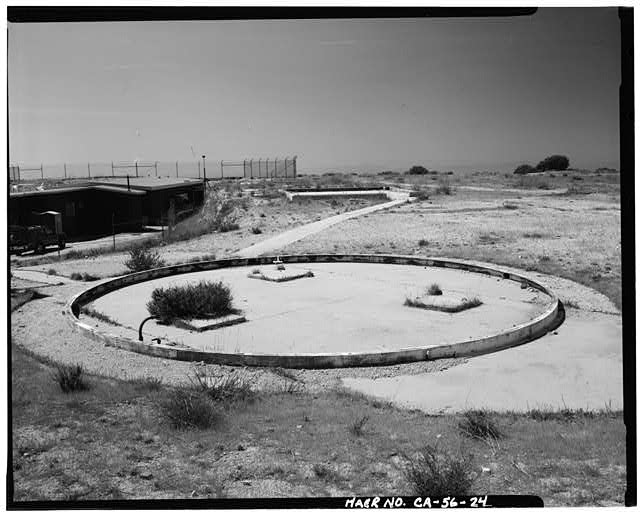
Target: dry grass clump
x=479 y=424
x=202 y=300
x=70 y=378
x=434 y=473
x=189 y=409
x=357 y=427
x=225 y=389
x=90 y=311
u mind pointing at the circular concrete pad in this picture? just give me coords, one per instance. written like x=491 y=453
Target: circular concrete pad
x=345 y=307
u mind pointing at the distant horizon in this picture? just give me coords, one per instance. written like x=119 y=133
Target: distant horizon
x=449 y=94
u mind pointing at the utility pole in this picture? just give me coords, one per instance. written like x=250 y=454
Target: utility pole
x=204 y=169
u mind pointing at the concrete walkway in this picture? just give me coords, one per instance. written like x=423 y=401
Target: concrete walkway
x=43 y=278
x=273 y=244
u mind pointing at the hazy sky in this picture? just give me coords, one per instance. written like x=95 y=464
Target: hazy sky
x=390 y=93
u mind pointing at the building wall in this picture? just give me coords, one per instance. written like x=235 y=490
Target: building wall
x=85 y=212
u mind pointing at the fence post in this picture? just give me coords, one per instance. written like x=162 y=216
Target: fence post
x=267 y=166
x=113 y=173
x=155 y=165
x=89 y=169
x=244 y=168
x=295 y=168
x=251 y=167
x=41 y=172
x=176 y=168
x=65 y=170
x=136 y=163
x=198 y=170
x=221 y=169
x=259 y=166
x=275 y=168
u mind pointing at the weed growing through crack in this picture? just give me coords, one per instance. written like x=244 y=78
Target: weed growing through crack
x=90 y=311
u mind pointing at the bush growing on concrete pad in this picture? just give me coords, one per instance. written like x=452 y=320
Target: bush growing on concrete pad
x=142 y=259
x=202 y=300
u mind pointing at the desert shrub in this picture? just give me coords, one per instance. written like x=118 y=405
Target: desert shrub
x=51 y=271
x=357 y=427
x=230 y=388
x=188 y=409
x=444 y=188
x=86 y=277
x=70 y=378
x=523 y=169
x=543 y=185
x=420 y=194
x=418 y=170
x=553 y=162
x=480 y=425
x=423 y=242
x=434 y=290
x=142 y=259
x=256 y=230
x=432 y=473
x=228 y=226
x=204 y=299
x=219 y=212
x=325 y=472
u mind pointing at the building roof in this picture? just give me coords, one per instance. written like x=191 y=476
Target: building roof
x=86 y=187
x=150 y=183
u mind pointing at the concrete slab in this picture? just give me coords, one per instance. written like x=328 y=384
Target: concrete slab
x=580 y=367
x=346 y=307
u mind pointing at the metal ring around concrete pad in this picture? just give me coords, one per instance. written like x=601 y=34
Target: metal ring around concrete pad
x=550 y=319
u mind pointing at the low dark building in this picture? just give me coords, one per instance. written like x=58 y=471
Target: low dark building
x=96 y=208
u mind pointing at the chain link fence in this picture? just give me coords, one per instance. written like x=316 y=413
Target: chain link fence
x=246 y=168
